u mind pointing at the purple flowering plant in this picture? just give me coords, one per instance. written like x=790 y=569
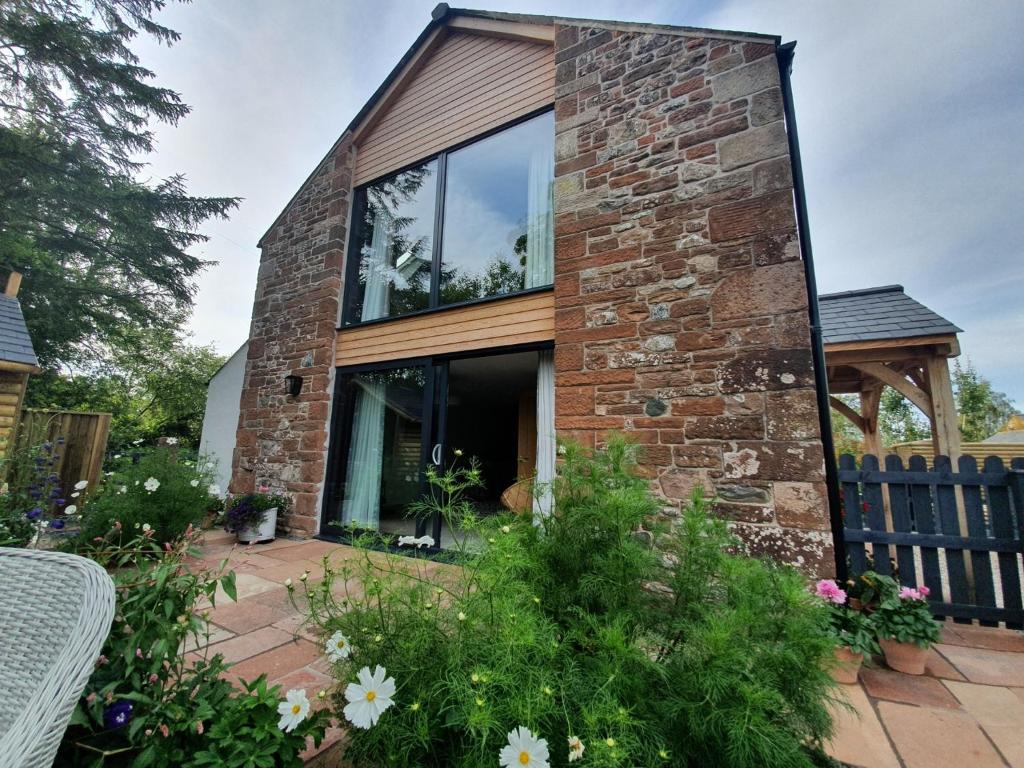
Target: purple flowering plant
x=32 y=499
x=250 y=510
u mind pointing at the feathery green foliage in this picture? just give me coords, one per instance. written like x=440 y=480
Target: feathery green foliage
x=656 y=649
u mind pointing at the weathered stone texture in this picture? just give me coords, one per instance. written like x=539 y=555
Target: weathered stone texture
x=282 y=440
x=682 y=308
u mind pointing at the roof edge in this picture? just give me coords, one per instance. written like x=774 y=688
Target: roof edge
x=862 y=292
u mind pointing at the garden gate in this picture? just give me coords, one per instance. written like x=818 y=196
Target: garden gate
x=958 y=533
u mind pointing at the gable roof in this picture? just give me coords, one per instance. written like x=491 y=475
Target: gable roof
x=885 y=312
x=445 y=16
x=15 y=343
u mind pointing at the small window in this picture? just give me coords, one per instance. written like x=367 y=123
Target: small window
x=396 y=245
x=498 y=214
x=497 y=220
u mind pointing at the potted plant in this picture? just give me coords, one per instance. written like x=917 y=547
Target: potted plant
x=253 y=517
x=851 y=630
x=906 y=629
x=867 y=589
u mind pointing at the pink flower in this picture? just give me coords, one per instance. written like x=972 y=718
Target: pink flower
x=909 y=593
x=924 y=591
x=138 y=653
x=90 y=698
x=153 y=678
x=199 y=728
x=827 y=589
x=101 y=660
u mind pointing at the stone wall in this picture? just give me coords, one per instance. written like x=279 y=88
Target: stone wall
x=681 y=309
x=282 y=440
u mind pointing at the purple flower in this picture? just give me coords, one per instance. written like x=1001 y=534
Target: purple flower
x=60 y=441
x=56 y=524
x=117 y=715
x=35 y=493
x=34 y=513
x=61 y=502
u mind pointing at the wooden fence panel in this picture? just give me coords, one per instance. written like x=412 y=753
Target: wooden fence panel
x=851 y=515
x=899 y=504
x=84 y=437
x=943 y=519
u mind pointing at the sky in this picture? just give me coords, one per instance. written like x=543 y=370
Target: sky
x=910 y=117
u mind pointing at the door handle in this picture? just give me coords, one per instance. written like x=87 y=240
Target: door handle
x=435 y=455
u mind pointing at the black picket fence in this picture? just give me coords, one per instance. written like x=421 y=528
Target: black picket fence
x=958 y=533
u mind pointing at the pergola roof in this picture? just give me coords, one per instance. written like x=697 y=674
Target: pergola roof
x=885 y=312
x=879 y=337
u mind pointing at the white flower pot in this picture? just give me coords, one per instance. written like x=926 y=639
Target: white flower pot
x=265 y=531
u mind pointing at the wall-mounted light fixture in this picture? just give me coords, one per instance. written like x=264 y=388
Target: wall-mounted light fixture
x=293 y=384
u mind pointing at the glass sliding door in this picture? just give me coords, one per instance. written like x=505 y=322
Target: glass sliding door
x=391 y=423
x=384 y=424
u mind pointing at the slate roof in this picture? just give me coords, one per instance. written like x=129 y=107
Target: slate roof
x=15 y=344
x=885 y=312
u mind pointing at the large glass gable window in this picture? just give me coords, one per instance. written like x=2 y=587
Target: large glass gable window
x=470 y=224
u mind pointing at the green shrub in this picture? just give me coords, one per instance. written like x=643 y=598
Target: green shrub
x=652 y=649
x=146 y=703
x=162 y=490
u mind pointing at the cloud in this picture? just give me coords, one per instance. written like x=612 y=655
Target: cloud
x=909 y=118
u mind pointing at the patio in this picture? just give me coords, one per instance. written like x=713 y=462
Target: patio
x=967 y=709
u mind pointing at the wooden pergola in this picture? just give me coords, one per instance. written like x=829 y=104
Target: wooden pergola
x=880 y=337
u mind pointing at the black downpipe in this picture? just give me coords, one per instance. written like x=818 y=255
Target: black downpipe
x=785 y=59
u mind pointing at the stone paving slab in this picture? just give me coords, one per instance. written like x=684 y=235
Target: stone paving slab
x=981 y=665
x=999 y=712
x=937 y=738
x=907 y=689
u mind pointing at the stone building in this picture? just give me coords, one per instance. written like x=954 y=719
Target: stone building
x=543 y=226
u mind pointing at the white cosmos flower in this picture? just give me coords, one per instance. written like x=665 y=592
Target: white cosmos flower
x=293 y=710
x=524 y=750
x=213 y=490
x=151 y=484
x=75 y=495
x=369 y=697
x=576 y=749
x=194 y=483
x=81 y=485
x=171 y=441
x=338 y=647
x=123 y=489
x=146 y=528
x=70 y=510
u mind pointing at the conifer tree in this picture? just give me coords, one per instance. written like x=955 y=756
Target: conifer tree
x=101 y=251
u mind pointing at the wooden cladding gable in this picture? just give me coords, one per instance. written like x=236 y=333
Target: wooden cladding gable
x=467 y=85
x=507 y=322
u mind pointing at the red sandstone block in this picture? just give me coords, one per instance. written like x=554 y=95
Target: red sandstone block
x=606 y=376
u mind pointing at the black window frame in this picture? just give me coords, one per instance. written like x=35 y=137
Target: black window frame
x=353 y=256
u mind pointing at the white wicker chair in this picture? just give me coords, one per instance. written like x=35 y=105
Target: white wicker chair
x=55 y=613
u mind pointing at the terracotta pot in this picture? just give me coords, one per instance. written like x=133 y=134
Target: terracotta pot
x=908 y=658
x=847 y=665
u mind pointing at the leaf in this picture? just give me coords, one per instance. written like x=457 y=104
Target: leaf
x=227 y=581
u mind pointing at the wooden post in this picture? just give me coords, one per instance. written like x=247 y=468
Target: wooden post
x=945 y=430
x=870 y=399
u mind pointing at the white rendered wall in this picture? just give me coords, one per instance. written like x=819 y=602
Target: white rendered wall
x=223 y=395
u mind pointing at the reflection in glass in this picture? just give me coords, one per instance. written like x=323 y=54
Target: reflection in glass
x=395 y=245
x=382 y=475
x=498 y=233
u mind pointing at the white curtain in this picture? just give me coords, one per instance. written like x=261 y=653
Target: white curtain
x=543 y=500
x=540 y=231
x=361 y=505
